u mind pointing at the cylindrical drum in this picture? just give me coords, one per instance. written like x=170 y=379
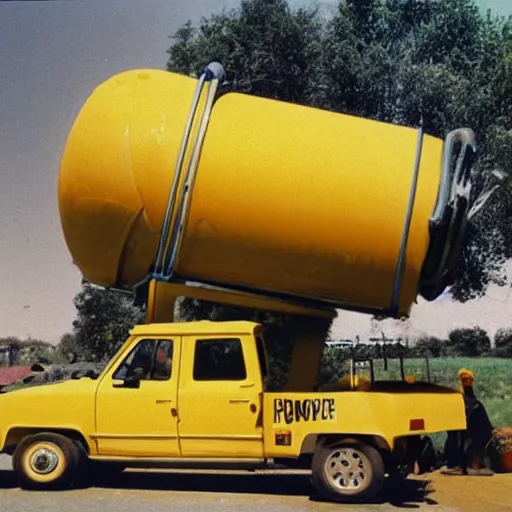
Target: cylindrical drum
x=287 y=200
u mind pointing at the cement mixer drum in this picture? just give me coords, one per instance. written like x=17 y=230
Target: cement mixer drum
x=262 y=197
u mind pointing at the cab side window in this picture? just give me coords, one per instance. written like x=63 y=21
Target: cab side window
x=149 y=360
x=163 y=360
x=219 y=359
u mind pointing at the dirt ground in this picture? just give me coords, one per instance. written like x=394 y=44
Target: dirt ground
x=470 y=493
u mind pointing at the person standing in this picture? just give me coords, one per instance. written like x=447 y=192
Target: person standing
x=478 y=434
x=467 y=449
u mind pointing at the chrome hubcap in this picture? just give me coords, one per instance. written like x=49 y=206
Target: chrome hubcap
x=44 y=461
x=348 y=469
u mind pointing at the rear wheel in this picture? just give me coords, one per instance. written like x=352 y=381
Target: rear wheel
x=46 y=461
x=348 y=471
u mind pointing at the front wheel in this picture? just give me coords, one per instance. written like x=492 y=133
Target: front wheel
x=46 y=461
x=348 y=471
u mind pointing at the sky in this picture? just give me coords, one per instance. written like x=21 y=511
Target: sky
x=52 y=54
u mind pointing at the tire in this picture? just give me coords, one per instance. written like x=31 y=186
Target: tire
x=46 y=461
x=335 y=468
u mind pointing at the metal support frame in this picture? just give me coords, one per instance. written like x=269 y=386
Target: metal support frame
x=172 y=230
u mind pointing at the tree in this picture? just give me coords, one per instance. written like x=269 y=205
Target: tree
x=267 y=49
x=69 y=349
x=503 y=342
x=467 y=342
x=430 y=346
x=36 y=351
x=103 y=321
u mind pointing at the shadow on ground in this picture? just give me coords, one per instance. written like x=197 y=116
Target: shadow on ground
x=409 y=494
x=7 y=480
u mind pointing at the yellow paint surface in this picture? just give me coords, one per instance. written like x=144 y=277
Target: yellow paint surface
x=286 y=198
x=189 y=417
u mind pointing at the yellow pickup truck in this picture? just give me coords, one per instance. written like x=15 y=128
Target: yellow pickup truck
x=193 y=395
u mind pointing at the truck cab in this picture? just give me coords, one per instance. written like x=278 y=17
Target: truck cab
x=193 y=395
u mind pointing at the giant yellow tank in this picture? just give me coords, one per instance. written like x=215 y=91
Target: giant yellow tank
x=282 y=200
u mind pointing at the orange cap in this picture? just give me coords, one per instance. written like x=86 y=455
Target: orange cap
x=466 y=377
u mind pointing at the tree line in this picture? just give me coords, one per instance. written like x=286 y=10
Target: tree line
x=104 y=319
x=461 y=342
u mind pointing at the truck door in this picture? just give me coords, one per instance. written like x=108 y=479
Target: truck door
x=136 y=402
x=220 y=398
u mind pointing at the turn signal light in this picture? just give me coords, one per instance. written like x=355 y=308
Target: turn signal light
x=417 y=424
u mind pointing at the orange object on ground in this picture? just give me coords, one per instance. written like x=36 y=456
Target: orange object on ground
x=502 y=444
x=506 y=462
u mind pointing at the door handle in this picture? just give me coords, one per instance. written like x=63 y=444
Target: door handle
x=239 y=401
x=163 y=401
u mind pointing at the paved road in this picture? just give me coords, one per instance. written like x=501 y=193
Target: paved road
x=180 y=491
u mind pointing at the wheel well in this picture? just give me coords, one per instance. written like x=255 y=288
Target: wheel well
x=312 y=440
x=16 y=434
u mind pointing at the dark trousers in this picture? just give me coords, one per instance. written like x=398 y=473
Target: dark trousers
x=463 y=448
x=452 y=449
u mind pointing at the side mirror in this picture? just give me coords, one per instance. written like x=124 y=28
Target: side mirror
x=132 y=381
